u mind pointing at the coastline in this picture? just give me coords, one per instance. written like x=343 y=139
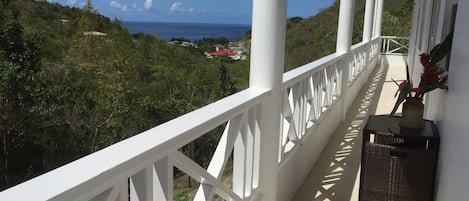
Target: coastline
x=190 y=31
x=187 y=23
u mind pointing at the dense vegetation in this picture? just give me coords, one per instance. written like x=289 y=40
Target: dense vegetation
x=315 y=37
x=64 y=94
x=66 y=91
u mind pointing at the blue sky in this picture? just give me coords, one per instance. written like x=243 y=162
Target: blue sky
x=196 y=11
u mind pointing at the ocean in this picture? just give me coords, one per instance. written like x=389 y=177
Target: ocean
x=191 y=31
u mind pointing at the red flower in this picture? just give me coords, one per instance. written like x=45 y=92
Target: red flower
x=401 y=86
x=425 y=60
x=430 y=75
x=417 y=90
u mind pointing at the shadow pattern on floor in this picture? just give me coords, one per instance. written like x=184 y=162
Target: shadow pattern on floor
x=339 y=163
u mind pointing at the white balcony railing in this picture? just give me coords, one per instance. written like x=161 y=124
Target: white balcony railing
x=141 y=167
x=394 y=45
x=310 y=91
x=144 y=163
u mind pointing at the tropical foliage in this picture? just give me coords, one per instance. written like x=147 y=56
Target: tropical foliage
x=315 y=37
x=65 y=93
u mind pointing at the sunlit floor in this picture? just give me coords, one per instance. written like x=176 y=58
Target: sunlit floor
x=335 y=176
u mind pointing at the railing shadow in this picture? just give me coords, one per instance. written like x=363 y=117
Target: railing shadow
x=339 y=164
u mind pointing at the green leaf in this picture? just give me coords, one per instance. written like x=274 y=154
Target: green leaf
x=441 y=50
x=402 y=96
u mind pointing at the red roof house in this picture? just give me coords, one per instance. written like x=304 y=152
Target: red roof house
x=223 y=52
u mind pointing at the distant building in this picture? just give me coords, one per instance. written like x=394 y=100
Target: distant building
x=233 y=55
x=182 y=43
x=64 y=21
x=94 y=33
x=223 y=52
x=219 y=47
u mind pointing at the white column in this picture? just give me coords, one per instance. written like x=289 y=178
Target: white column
x=368 y=21
x=345 y=27
x=344 y=44
x=378 y=18
x=267 y=62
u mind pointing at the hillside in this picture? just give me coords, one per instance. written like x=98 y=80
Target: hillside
x=315 y=37
x=73 y=81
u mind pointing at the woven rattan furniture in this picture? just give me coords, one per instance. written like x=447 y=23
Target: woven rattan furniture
x=397 y=164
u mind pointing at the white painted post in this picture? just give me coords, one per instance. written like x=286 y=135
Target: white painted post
x=368 y=21
x=345 y=26
x=267 y=62
x=344 y=44
x=378 y=18
x=367 y=31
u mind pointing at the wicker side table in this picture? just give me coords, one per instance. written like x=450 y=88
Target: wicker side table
x=397 y=164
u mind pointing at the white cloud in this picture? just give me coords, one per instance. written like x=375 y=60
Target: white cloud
x=125 y=8
x=148 y=4
x=72 y=2
x=175 y=6
x=117 y=5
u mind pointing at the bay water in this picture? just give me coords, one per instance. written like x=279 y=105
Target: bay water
x=191 y=31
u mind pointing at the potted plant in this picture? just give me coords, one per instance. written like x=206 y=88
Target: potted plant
x=433 y=77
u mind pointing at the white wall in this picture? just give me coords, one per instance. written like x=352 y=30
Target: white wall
x=435 y=100
x=453 y=167
x=420 y=35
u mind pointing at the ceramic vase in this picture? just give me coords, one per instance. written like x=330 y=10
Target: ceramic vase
x=412 y=113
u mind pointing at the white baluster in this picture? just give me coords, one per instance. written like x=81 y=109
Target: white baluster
x=163 y=180
x=141 y=185
x=251 y=129
x=239 y=160
x=220 y=157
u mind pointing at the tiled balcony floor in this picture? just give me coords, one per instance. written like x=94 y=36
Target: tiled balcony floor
x=335 y=176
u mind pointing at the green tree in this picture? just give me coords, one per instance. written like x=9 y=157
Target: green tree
x=19 y=65
x=88 y=7
x=227 y=85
